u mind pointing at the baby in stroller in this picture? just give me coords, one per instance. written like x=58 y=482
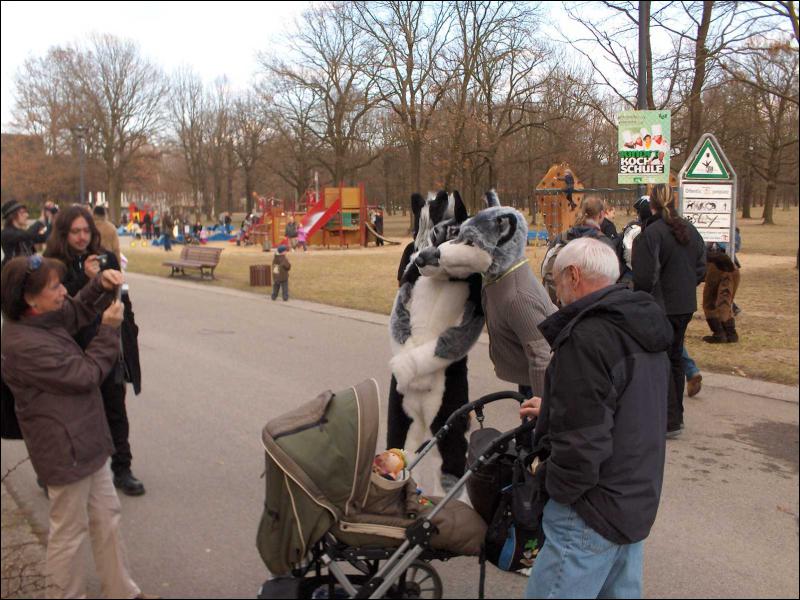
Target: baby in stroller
x=333 y=509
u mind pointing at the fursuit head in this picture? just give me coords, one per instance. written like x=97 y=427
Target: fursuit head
x=489 y=243
x=436 y=319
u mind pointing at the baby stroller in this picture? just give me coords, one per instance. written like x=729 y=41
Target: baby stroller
x=320 y=518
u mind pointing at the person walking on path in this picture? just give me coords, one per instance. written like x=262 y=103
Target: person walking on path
x=280 y=273
x=76 y=243
x=604 y=429
x=168 y=225
x=60 y=410
x=669 y=262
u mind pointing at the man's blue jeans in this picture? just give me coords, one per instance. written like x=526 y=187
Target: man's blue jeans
x=577 y=562
x=689 y=366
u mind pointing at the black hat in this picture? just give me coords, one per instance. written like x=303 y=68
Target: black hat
x=10 y=207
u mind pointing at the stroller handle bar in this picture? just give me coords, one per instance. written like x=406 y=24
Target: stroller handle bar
x=476 y=406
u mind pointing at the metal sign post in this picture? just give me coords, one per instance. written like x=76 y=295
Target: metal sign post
x=707 y=186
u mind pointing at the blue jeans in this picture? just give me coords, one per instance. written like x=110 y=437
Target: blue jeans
x=689 y=366
x=167 y=242
x=578 y=562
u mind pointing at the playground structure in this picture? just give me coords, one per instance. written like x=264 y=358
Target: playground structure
x=339 y=218
x=556 y=211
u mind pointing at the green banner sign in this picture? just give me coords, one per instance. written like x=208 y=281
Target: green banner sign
x=644 y=141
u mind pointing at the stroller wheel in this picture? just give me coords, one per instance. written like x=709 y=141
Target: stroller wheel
x=421 y=581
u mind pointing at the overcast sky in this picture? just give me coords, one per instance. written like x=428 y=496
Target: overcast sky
x=214 y=38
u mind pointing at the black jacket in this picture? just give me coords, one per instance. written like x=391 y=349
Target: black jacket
x=604 y=410
x=667 y=269
x=131 y=371
x=609 y=229
x=20 y=242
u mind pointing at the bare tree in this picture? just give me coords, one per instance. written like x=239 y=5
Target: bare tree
x=775 y=82
x=507 y=81
x=189 y=117
x=411 y=37
x=330 y=63
x=249 y=138
x=291 y=113
x=124 y=97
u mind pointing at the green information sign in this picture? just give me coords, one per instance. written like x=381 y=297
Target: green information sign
x=644 y=143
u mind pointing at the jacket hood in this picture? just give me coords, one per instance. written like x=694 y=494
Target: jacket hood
x=636 y=313
x=578 y=231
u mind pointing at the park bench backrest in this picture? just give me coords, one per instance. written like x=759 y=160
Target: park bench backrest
x=204 y=255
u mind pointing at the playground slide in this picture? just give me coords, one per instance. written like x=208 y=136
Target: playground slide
x=378 y=235
x=318 y=216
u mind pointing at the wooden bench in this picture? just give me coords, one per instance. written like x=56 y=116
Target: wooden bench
x=196 y=257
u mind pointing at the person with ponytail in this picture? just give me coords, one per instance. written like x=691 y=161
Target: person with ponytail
x=669 y=262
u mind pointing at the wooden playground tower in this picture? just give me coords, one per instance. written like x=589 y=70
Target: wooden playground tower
x=339 y=218
x=556 y=211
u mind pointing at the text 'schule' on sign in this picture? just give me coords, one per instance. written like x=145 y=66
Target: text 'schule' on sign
x=708 y=192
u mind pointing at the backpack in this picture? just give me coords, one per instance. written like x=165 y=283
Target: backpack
x=553 y=248
x=628 y=236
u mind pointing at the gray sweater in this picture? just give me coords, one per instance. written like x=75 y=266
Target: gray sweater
x=515 y=304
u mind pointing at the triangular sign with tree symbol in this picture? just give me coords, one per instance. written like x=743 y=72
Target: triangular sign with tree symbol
x=707 y=164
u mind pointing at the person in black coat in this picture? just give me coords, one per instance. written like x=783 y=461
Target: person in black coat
x=17 y=238
x=76 y=242
x=669 y=262
x=602 y=417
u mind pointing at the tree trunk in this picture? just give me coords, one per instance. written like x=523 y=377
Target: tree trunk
x=747 y=193
x=248 y=189
x=772 y=177
x=114 y=198
x=700 y=59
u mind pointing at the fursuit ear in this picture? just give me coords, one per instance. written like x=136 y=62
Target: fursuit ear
x=507 y=224
x=460 y=211
x=417 y=202
x=490 y=199
x=438 y=207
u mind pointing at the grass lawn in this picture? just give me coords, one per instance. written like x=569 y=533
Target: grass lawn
x=365 y=279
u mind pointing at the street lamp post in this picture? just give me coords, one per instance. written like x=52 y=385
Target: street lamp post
x=641 y=99
x=80 y=131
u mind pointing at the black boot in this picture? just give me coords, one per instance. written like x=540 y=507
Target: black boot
x=719 y=336
x=730 y=330
x=128 y=484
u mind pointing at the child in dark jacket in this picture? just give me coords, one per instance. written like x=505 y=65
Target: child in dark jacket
x=280 y=273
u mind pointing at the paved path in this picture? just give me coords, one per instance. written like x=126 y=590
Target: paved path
x=219 y=363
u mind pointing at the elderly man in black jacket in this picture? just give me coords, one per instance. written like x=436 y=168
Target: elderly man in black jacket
x=603 y=416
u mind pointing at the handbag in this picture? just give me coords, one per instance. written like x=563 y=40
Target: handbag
x=515 y=535
x=9 y=425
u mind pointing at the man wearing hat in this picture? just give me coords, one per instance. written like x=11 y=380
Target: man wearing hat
x=16 y=238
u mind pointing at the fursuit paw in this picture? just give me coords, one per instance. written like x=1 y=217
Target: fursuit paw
x=404 y=369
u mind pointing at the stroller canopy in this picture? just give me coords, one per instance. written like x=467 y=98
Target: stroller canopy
x=319 y=460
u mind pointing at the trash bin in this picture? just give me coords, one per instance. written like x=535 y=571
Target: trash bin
x=260 y=275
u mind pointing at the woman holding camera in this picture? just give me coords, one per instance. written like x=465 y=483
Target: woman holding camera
x=60 y=411
x=75 y=241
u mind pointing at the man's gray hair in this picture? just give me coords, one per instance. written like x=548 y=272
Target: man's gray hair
x=593 y=258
